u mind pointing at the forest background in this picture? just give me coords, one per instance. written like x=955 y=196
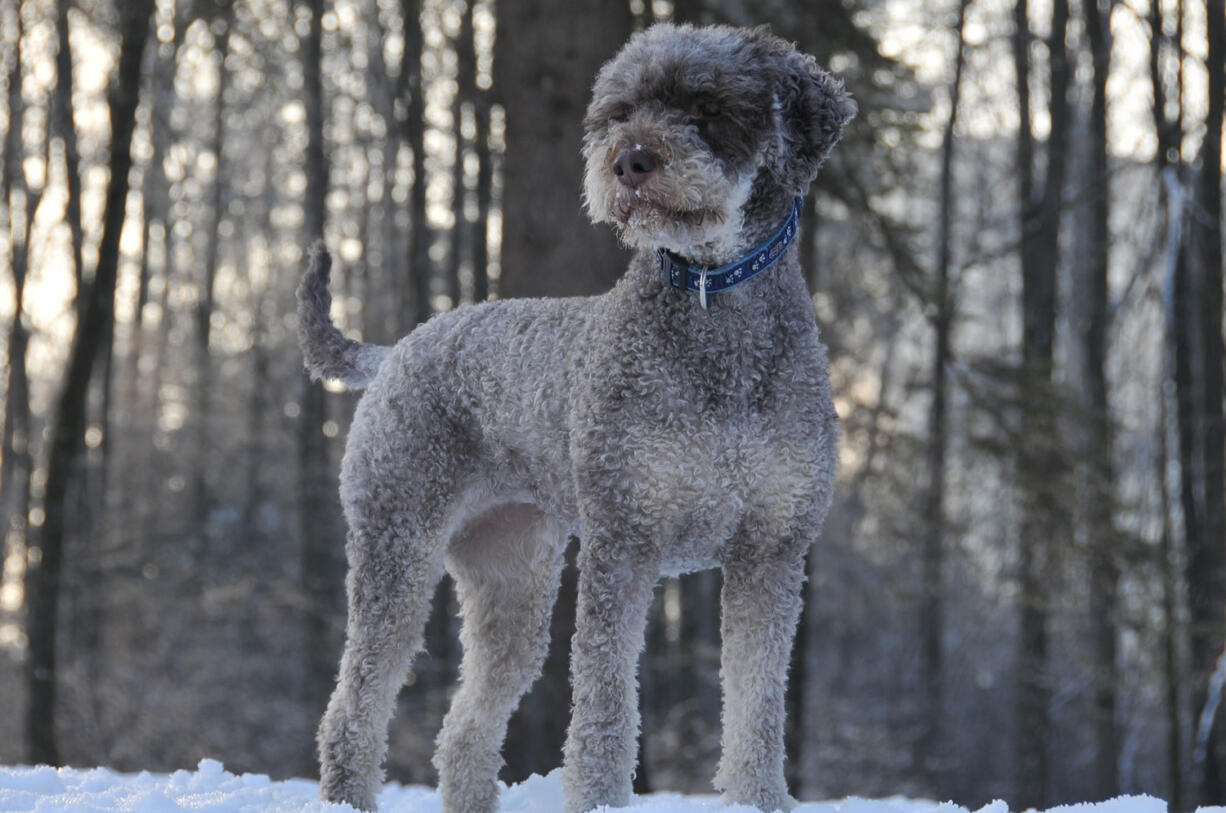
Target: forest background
x=1015 y=256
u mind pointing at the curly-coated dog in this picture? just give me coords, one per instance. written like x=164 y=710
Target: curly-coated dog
x=681 y=421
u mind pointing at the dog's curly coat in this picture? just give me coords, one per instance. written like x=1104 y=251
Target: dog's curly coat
x=667 y=437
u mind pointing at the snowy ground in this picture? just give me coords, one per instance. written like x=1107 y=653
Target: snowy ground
x=210 y=788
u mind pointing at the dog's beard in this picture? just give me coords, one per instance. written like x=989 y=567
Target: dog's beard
x=684 y=208
x=685 y=232
x=640 y=213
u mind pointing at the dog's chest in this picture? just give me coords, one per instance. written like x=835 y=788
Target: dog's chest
x=699 y=489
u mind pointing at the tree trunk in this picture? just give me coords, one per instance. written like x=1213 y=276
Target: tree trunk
x=466 y=68
x=797 y=689
x=421 y=267
x=1172 y=580
x=1039 y=469
x=931 y=621
x=1184 y=353
x=810 y=262
x=1166 y=127
x=547 y=53
x=154 y=197
x=257 y=408
x=382 y=318
x=690 y=11
x=1032 y=696
x=16 y=462
x=205 y=296
x=1168 y=137
x=67 y=428
x=698 y=644
x=321 y=567
x=1100 y=485
x=143 y=388
x=66 y=131
x=1207 y=557
x=484 y=191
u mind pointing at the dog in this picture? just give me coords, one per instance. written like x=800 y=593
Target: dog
x=681 y=421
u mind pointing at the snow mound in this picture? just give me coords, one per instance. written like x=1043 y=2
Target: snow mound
x=211 y=789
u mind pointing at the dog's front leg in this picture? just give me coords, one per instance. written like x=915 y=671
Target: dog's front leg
x=616 y=578
x=760 y=606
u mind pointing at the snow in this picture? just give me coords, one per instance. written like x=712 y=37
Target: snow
x=211 y=789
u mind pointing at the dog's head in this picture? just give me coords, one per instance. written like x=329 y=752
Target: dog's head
x=686 y=124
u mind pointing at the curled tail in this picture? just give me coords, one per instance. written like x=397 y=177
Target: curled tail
x=326 y=352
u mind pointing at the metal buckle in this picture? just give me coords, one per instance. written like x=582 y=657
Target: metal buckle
x=702 y=289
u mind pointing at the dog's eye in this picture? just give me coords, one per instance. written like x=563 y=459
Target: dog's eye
x=704 y=110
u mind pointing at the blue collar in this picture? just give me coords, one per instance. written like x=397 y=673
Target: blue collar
x=680 y=274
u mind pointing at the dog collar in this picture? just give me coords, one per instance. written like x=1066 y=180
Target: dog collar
x=680 y=274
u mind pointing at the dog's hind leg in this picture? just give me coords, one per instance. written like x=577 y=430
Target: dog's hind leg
x=506 y=564
x=760 y=606
x=398 y=523
x=385 y=631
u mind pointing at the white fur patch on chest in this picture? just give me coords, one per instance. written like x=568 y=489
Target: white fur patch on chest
x=699 y=488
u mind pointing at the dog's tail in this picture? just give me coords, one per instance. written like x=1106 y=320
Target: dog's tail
x=326 y=352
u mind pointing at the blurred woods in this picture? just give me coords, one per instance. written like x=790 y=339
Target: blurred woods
x=1015 y=256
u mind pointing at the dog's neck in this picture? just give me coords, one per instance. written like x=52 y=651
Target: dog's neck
x=705 y=280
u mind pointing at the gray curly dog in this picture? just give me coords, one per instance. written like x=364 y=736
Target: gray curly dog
x=681 y=421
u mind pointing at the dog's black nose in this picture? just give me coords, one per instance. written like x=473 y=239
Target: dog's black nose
x=632 y=167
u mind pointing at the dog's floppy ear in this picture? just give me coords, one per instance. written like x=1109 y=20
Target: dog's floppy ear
x=814 y=107
x=819 y=111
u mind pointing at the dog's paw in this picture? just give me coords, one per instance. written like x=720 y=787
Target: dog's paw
x=765 y=801
x=766 y=793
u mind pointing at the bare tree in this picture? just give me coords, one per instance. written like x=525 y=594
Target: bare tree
x=461 y=232
x=66 y=130
x=548 y=52
x=1207 y=552
x=222 y=21
x=1172 y=580
x=67 y=428
x=1167 y=129
x=1101 y=477
x=1039 y=467
x=1100 y=486
x=931 y=620
x=485 y=181
x=20 y=204
x=380 y=319
x=155 y=201
x=421 y=268
x=317 y=511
